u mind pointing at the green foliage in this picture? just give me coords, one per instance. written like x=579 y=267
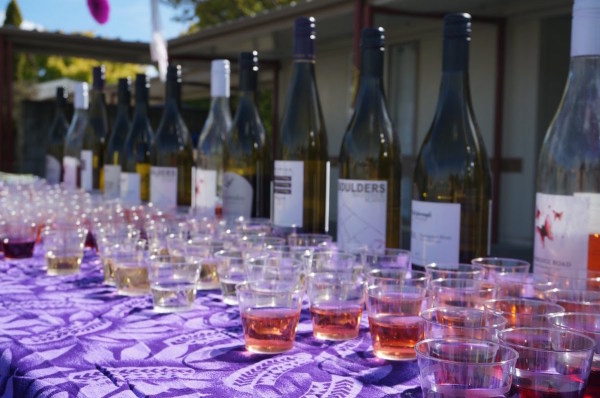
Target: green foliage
x=205 y=13
x=13 y=15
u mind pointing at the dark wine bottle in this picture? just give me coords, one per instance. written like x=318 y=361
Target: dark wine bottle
x=114 y=149
x=246 y=157
x=208 y=175
x=56 y=139
x=451 y=207
x=301 y=169
x=95 y=137
x=172 y=152
x=370 y=160
x=135 y=178
x=74 y=139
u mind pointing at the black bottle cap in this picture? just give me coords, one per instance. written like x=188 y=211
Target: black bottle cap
x=304 y=38
x=61 y=93
x=174 y=72
x=248 y=60
x=372 y=38
x=124 y=84
x=457 y=25
x=142 y=84
x=98 y=77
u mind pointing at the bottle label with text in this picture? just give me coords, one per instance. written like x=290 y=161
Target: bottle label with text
x=71 y=169
x=163 y=187
x=205 y=189
x=86 y=170
x=435 y=232
x=112 y=181
x=564 y=228
x=237 y=196
x=130 y=188
x=362 y=206
x=53 y=170
x=288 y=193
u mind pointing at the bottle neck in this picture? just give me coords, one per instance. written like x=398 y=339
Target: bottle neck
x=61 y=107
x=219 y=107
x=371 y=63
x=304 y=69
x=97 y=98
x=248 y=97
x=141 y=106
x=454 y=88
x=584 y=72
x=173 y=94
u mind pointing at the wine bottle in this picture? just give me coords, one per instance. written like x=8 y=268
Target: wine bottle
x=301 y=169
x=246 y=157
x=370 y=160
x=114 y=149
x=172 y=154
x=74 y=139
x=451 y=207
x=56 y=139
x=94 y=139
x=135 y=179
x=567 y=211
x=209 y=167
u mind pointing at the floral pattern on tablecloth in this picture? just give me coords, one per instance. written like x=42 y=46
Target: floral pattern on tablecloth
x=73 y=336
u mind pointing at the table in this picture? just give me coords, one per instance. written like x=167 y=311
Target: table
x=73 y=336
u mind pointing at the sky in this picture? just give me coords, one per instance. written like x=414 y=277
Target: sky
x=128 y=19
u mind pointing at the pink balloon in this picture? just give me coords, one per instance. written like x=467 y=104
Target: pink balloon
x=99 y=9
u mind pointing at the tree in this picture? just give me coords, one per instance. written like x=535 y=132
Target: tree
x=205 y=13
x=12 y=14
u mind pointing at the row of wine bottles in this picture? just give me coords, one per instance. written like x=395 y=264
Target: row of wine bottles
x=234 y=174
x=452 y=190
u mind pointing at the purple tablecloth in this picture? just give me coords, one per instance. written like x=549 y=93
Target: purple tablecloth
x=72 y=336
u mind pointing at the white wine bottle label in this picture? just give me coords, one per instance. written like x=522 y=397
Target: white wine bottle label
x=561 y=234
x=435 y=232
x=130 y=188
x=288 y=193
x=52 y=170
x=205 y=190
x=237 y=196
x=163 y=187
x=112 y=181
x=71 y=168
x=86 y=170
x=362 y=206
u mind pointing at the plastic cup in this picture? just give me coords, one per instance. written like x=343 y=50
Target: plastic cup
x=336 y=303
x=552 y=362
x=172 y=283
x=524 y=312
x=269 y=315
x=468 y=323
x=395 y=323
x=63 y=247
x=454 y=367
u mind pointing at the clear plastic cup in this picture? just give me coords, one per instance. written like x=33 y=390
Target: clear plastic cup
x=386 y=258
x=468 y=323
x=454 y=270
x=575 y=300
x=552 y=362
x=588 y=324
x=231 y=271
x=172 y=283
x=131 y=272
x=270 y=314
x=524 y=312
x=453 y=367
x=394 y=310
x=63 y=247
x=456 y=292
x=336 y=302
